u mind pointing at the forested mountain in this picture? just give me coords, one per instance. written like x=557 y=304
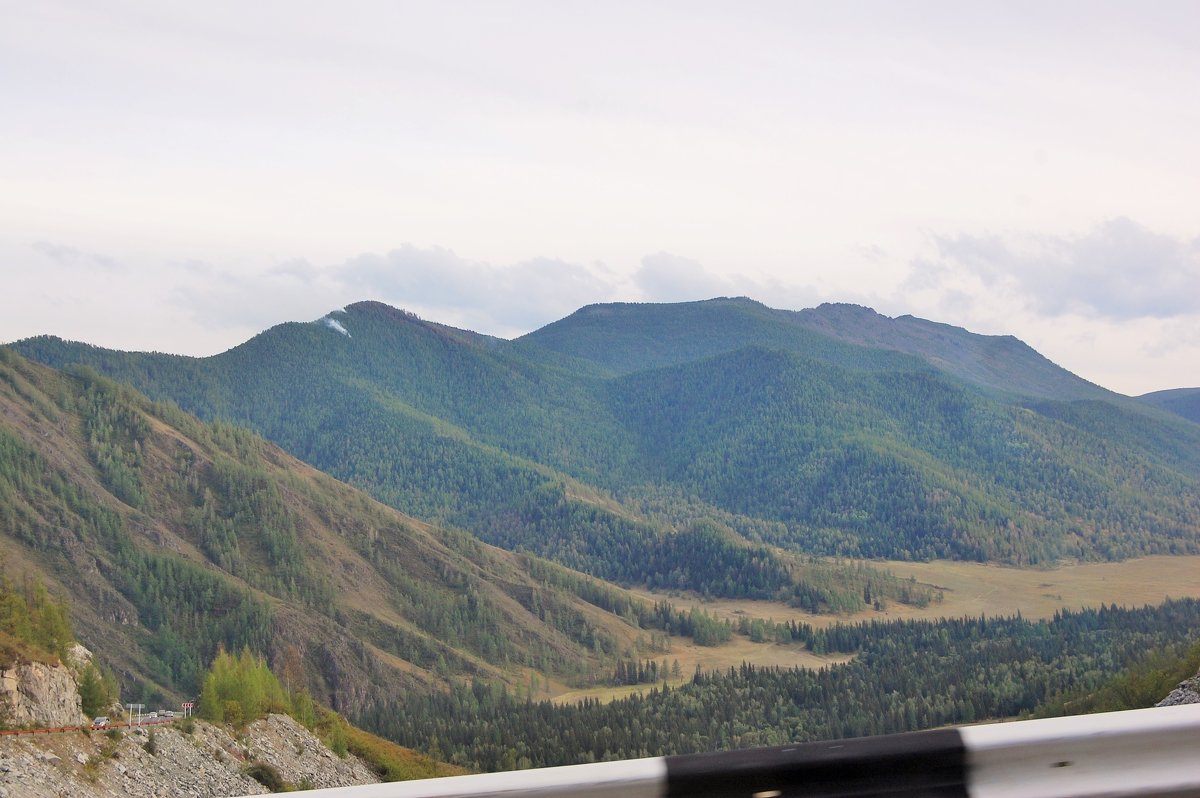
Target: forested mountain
x=172 y=537
x=1180 y=401
x=625 y=436
x=624 y=337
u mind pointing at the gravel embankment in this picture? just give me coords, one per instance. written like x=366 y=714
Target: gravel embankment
x=209 y=763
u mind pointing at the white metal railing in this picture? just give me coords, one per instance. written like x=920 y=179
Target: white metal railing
x=1145 y=752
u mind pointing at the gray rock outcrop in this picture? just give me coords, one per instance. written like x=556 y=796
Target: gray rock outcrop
x=38 y=694
x=209 y=762
x=1187 y=692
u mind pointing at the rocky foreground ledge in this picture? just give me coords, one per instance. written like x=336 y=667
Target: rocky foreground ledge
x=207 y=763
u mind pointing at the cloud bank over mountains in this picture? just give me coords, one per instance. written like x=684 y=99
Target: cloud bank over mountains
x=1117 y=290
x=181 y=177
x=1118 y=271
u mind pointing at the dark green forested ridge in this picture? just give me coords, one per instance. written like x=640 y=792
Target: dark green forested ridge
x=912 y=464
x=1180 y=401
x=624 y=338
x=602 y=440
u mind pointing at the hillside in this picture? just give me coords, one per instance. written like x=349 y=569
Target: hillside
x=172 y=537
x=1180 y=401
x=610 y=439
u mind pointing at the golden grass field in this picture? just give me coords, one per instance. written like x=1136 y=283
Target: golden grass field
x=969 y=589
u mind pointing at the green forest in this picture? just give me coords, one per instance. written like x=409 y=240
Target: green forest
x=905 y=676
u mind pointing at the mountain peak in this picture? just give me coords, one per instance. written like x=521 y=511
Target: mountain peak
x=371 y=307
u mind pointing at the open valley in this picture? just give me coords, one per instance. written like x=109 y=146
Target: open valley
x=984 y=589
x=970 y=589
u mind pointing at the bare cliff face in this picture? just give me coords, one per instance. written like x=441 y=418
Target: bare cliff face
x=205 y=762
x=41 y=695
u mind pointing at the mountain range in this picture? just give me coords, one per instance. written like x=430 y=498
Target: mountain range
x=608 y=438
x=376 y=501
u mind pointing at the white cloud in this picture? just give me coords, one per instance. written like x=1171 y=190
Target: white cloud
x=72 y=258
x=664 y=277
x=500 y=300
x=1117 y=304
x=1119 y=270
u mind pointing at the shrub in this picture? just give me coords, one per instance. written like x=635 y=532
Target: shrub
x=266 y=775
x=232 y=713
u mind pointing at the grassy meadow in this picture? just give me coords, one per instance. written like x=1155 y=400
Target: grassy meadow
x=968 y=589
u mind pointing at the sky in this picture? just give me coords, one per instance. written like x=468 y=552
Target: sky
x=180 y=176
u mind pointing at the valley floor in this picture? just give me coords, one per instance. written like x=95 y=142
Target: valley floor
x=969 y=589
x=973 y=589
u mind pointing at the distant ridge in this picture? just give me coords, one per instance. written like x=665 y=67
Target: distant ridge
x=625 y=337
x=1180 y=401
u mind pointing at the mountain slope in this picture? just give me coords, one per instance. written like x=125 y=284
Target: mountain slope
x=915 y=464
x=1180 y=401
x=173 y=537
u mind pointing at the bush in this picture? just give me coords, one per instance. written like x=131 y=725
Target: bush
x=266 y=775
x=231 y=713
x=337 y=738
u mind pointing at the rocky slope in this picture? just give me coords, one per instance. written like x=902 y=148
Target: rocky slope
x=209 y=761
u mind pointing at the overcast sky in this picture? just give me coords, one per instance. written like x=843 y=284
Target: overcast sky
x=179 y=176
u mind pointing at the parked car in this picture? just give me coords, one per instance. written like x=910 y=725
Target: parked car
x=100 y=722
